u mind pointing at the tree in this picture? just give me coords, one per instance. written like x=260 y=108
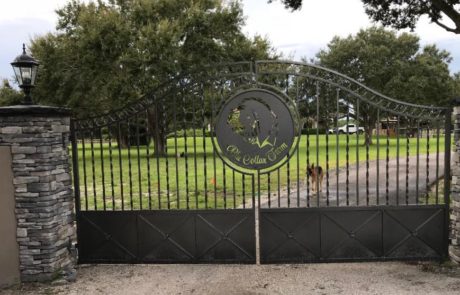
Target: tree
x=457 y=85
x=393 y=65
x=109 y=53
x=292 y=4
x=8 y=95
x=401 y=14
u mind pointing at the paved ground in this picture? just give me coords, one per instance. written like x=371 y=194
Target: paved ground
x=362 y=189
x=344 y=278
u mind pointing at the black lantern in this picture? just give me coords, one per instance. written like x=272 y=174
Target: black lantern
x=25 y=68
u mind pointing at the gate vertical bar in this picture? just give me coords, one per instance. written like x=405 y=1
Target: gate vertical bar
x=168 y=198
x=347 y=152
x=368 y=137
x=407 y=162
x=427 y=163
x=288 y=166
x=194 y=152
x=377 y=186
x=317 y=143
x=175 y=151
x=417 y=163
x=297 y=150
x=84 y=169
x=102 y=168
x=437 y=162
x=139 y=176
x=397 y=161
x=205 y=168
x=387 y=160
x=111 y=167
x=184 y=121
x=147 y=150
x=357 y=151
x=256 y=206
x=120 y=164
x=337 y=147
x=93 y=169
x=130 y=173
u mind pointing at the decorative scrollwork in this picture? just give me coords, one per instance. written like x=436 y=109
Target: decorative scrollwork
x=227 y=76
x=353 y=87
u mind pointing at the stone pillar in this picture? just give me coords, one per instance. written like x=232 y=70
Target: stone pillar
x=454 y=249
x=38 y=138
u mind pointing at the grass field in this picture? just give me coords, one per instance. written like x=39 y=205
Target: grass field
x=200 y=179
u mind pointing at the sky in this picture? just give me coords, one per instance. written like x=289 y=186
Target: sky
x=296 y=34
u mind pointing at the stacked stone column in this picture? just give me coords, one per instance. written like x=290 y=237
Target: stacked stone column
x=454 y=249
x=39 y=138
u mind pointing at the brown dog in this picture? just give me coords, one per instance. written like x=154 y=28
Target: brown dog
x=315 y=174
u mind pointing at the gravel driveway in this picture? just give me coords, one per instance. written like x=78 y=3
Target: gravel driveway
x=359 y=187
x=343 y=278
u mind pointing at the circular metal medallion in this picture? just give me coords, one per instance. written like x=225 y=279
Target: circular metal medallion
x=255 y=129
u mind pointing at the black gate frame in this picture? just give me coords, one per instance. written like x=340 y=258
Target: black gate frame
x=310 y=234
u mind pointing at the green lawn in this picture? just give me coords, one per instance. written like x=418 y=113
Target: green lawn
x=173 y=186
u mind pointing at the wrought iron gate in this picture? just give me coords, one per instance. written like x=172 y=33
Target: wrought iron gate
x=350 y=175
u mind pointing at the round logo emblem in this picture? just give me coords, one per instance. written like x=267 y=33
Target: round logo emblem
x=255 y=129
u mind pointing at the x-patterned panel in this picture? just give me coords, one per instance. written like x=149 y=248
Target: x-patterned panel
x=107 y=237
x=166 y=236
x=289 y=235
x=176 y=236
x=416 y=233
x=351 y=234
x=225 y=236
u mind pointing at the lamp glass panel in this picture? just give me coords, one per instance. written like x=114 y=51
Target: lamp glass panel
x=26 y=75
x=17 y=73
x=34 y=74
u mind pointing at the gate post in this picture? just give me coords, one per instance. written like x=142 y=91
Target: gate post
x=454 y=248
x=38 y=139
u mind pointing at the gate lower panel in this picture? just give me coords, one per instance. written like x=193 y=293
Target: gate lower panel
x=352 y=234
x=194 y=236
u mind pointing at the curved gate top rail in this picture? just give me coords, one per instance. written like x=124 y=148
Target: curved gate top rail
x=252 y=71
x=317 y=72
x=183 y=81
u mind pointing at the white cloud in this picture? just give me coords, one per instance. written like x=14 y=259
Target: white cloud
x=297 y=34
x=302 y=33
x=314 y=25
x=27 y=9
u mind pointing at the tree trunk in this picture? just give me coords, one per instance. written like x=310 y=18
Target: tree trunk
x=120 y=135
x=369 y=125
x=157 y=131
x=368 y=138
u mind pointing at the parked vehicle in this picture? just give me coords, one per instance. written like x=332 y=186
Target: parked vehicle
x=352 y=128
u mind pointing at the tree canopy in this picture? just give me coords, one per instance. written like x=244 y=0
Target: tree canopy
x=457 y=85
x=392 y=64
x=402 y=14
x=107 y=53
x=8 y=95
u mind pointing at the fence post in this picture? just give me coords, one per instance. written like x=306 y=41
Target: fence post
x=454 y=248
x=38 y=139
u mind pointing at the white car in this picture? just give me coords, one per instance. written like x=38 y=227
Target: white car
x=351 y=129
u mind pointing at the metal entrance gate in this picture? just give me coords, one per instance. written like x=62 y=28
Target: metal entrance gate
x=325 y=169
